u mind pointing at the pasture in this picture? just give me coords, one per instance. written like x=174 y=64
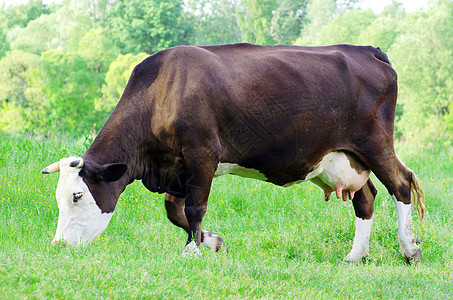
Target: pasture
x=282 y=243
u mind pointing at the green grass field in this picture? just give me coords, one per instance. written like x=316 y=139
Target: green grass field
x=282 y=243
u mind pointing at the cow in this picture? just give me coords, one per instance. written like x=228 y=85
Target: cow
x=283 y=114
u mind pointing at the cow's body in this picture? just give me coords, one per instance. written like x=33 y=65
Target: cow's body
x=283 y=114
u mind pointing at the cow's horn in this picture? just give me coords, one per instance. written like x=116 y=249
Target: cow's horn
x=55 y=167
x=78 y=163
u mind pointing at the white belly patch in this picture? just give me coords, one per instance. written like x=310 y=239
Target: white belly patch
x=235 y=169
x=337 y=171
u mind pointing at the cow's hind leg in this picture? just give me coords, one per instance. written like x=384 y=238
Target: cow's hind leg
x=175 y=213
x=363 y=203
x=400 y=182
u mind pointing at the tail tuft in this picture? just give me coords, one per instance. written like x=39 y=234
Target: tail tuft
x=418 y=196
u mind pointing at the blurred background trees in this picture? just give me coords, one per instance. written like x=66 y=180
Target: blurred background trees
x=63 y=66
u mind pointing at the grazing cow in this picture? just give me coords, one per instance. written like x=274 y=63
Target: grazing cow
x=283 y=114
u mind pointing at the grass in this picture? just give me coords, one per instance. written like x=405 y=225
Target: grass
x=281 y=242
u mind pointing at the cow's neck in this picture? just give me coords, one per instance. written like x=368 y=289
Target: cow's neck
x=119 y=141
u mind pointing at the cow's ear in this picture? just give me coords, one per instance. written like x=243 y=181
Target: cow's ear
x=112 y=172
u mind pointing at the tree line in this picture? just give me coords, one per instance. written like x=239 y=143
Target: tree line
x=63 y=66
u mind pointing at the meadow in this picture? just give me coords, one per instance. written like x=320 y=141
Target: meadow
x=282 y=243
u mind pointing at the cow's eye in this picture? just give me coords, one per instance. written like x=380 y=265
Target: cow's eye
x=76 y=197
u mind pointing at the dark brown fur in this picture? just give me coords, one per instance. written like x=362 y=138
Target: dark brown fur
x=276 y=109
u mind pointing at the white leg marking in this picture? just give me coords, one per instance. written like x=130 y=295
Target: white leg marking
x=361 y=240
x=406 y=233
x=191 y=250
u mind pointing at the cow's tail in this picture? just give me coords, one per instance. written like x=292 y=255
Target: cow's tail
x=418 y=197
x=379 y=54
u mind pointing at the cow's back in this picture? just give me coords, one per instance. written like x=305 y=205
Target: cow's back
x=277 y=109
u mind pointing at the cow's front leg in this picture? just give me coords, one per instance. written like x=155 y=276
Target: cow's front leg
x=176 y=214
x=201 y=167
x=195 y=209
x=363 y=203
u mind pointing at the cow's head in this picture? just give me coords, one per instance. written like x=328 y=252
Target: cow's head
x=86 y=194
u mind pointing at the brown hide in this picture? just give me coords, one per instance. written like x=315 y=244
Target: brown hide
x=276 y=109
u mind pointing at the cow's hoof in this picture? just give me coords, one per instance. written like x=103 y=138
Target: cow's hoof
x=212 y=241
x=355 y=258
x=191 y=250
x=414 y=258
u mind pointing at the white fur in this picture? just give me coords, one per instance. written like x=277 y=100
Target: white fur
x=406 y=233
x=235 y=169
x=361 y=243
x=334 y=173
x=191 y=250
x=81 y=222
x=335 y=170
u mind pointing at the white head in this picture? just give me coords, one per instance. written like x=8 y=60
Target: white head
x=81 y=218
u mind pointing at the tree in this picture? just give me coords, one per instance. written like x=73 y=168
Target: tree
x=115 y=81
x=319 y=14
x=346 y=28
x=36 y=37
x=147 y=26
x=99 y=11
x=214 y=22
x=97 y=50
x=384 y=30
x=254 y=19
x=4 y=45
x=20 y=14
x=382 y=33
x=449 y=121
x=16 y=95
x=288 y=20
x=62 y=29
x=423 y=56
x=71 y=88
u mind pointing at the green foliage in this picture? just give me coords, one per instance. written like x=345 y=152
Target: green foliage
x=209 y=18
x=115 y=81
x=17 y=91
x=346 y=28
x=147 y=26
x=319 y=12
x=288 y=20
x=333 y=22
x=62 y=29
x=20 y=14
x=382 y=33
x=36 y=36
x=71 y=91
x=11 y=117
x=449 y=120
x=54 y=57
x=97 y=49
x=4 y=45
x=254 y=19
x=423 y=55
